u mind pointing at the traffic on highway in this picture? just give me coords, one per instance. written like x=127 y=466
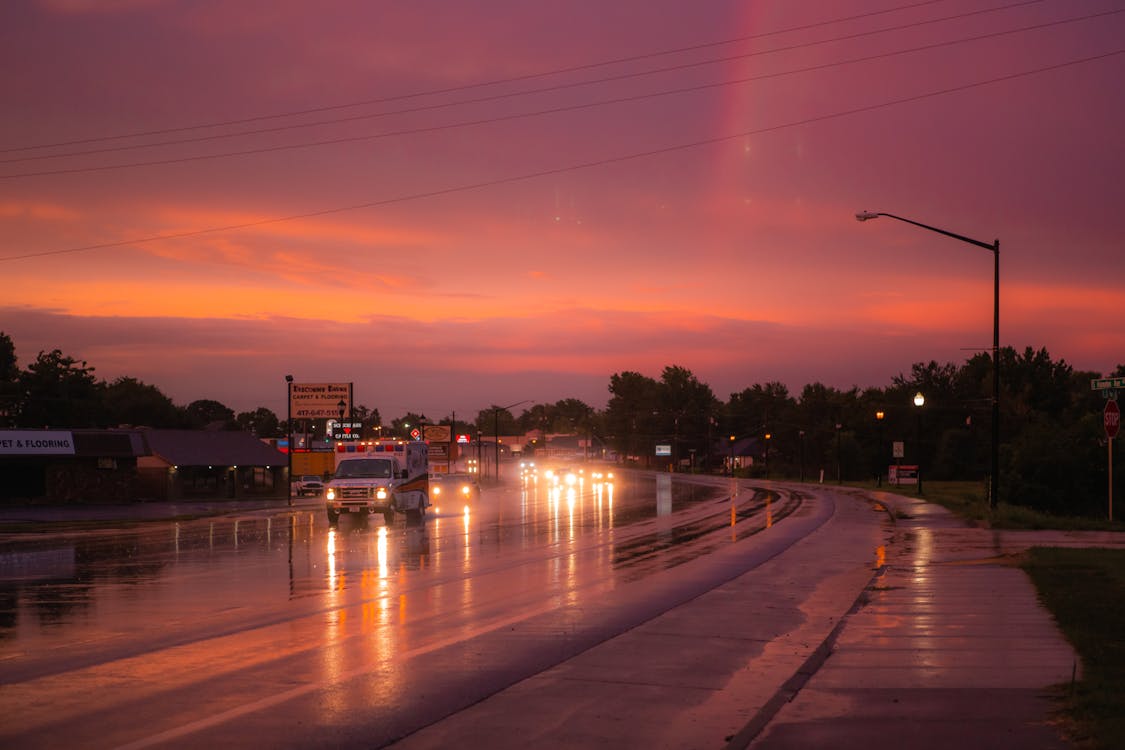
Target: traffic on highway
x=285 y=628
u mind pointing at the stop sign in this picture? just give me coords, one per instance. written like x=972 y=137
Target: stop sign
x=1112 y=419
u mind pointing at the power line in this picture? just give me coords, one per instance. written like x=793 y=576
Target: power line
x=552 y=110
x=573 y=167
x=509 y=95
x=494 y=82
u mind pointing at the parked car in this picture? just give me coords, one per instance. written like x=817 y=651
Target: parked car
x=308 y=485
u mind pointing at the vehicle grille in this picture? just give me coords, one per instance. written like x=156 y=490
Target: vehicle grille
x=355 y=493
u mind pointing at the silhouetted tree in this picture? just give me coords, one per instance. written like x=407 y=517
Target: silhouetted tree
x=128 y=401
x=261 y=422
x=60 y=391
x=206 y=413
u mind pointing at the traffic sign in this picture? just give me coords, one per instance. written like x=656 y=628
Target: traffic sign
x=415 y=434
x=1111 y=418
x=1107 y=384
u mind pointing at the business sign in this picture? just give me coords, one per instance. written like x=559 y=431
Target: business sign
x=900 y=475
x=437 y=433
x=36 y=443
x=317 y=400
x=346 y=430
x=464 y=439
x=664 y=450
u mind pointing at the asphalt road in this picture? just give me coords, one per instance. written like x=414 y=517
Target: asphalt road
x=269 y=628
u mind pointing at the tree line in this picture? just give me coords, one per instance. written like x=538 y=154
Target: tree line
x=1052 y=444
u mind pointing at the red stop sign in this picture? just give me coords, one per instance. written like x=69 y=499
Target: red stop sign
x=1112 y=419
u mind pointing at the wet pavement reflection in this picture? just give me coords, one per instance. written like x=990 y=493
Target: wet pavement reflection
x=281 y=598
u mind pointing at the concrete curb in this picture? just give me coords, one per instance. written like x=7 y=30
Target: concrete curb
x=791 y=687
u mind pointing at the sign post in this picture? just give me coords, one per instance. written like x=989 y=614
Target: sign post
x=1111 y=419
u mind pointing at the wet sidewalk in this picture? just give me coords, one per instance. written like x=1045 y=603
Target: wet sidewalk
x=20 y=515
x=952 y=648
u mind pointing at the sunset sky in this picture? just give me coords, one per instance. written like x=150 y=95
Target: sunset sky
x=458 y=204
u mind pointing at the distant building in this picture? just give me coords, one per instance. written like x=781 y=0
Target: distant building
x=211 y=464
x=134 y=465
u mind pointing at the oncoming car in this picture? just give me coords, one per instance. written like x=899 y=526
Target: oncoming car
x=454 y=488
x=563 y=475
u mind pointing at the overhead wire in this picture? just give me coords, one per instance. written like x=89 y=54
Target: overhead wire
x=494 y=82
x=559 y=109
x=515 y=94
x=570 y=168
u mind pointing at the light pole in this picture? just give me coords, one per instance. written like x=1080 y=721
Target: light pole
x=801 y=435
x=768 y=436
x=839 y=458
x=289 y=435
x=919 y=401
x=879 y=416
x=993 y=479
x=496 y=425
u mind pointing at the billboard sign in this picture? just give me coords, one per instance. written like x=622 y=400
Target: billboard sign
x=437 y=433
x=319 y=400
x=664 y=450
x=36 y=443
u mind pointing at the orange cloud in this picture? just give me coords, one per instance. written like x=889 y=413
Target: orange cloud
x=39 y=211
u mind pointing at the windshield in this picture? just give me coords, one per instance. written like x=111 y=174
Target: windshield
x=379 y=468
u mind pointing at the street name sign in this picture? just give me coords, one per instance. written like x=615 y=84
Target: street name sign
x=1107 y=384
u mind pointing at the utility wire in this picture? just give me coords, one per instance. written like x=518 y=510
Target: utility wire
x=549 y=111
x=570 y=168
x=511 y=95
x=496 y=82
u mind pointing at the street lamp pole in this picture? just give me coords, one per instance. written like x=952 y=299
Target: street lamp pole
x=289 y=435
x=919 y=401
x=993 y=479
x=879 y=416
x=496 y=425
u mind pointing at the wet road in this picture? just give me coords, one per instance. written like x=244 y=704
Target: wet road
x=275 y=629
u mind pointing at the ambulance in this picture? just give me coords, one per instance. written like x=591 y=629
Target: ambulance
x=379 y=476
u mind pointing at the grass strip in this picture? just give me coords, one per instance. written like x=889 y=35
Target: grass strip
x=1085 y=591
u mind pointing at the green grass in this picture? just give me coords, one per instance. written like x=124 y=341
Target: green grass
x=1085 y=590
x=968 y=500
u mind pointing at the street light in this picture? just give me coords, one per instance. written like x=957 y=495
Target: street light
x=801 y=435
x=879 y=416
x=839 y=458
x=496 y=425
x=919 y=401
x=993 y=479
x=289 y=435
x=768 y=436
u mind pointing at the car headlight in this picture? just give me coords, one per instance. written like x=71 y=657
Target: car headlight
x=466 y=489
x=381 y=493
x=331 y=494
x=435 y=489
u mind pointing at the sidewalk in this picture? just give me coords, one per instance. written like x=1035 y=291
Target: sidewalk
x=952 y=648
x=153 y=511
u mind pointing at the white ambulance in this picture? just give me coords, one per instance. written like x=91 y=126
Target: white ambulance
x=379 y=476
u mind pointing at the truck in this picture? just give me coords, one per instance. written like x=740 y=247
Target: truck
x=380 y=476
